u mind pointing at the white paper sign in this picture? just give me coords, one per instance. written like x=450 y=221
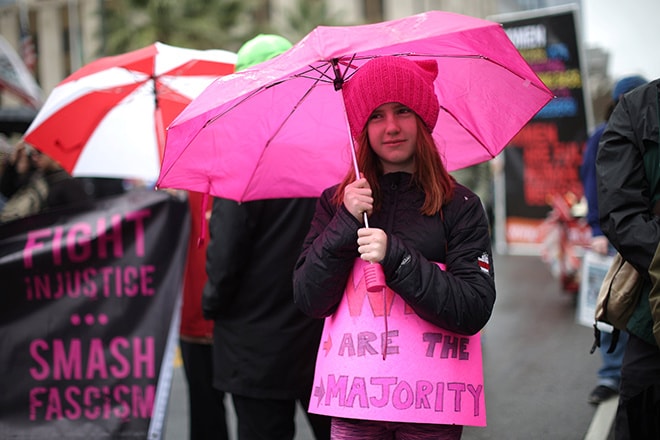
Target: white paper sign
x=594 y=269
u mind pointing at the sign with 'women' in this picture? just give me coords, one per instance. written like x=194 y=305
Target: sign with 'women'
x=87 y=301
x=378 y=360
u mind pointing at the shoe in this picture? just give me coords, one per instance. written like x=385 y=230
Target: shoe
x=600 y=394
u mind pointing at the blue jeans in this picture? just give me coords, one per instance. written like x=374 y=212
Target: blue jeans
x=609 y=373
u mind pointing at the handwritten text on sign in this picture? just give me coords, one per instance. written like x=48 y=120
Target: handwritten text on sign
x=379 y=361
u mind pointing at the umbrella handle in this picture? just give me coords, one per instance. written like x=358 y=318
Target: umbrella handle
x=374 y=277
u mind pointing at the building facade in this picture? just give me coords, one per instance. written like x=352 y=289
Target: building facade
x=67 y=33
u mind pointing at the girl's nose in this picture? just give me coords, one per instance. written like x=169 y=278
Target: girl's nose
x=391 y=124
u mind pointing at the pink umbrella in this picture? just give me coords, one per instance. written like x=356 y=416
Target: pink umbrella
x=108 y=118
x=279 y=129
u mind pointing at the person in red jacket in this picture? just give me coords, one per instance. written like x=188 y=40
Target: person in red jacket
x=207 y=418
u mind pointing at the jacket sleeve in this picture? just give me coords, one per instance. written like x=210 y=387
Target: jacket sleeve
x=624 y=197
x=326 y=260
x=461 y=298
x=227 y=253
x=588 y=178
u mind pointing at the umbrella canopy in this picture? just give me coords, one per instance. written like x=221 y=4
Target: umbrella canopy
x=279 y=129
x=108 y=118
x=16 y=77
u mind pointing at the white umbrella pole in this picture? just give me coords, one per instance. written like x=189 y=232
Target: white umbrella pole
x=373 y=273
x=356 y=168
x=374 y=277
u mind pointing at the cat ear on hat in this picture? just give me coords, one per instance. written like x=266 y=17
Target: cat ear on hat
x=428 y=66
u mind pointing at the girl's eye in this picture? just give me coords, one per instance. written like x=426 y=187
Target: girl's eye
x=376 y=115
x=403 y=110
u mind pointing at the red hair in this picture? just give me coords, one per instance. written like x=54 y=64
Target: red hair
x=430 y=174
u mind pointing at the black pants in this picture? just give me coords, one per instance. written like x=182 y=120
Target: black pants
x=638 y=413
x=266 y=419
x=206 y=404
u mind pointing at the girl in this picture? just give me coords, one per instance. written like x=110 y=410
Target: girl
x=420 y=220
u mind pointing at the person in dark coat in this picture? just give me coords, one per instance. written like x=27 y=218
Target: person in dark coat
x=264 y=347
x=609 y=373
x=418 y=217
x=627 y=206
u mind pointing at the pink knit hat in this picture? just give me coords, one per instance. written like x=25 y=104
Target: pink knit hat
x=391 y=79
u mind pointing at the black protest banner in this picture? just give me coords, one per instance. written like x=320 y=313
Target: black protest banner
x=86 y=307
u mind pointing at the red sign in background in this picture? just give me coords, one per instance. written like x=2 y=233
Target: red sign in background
x=543 y=160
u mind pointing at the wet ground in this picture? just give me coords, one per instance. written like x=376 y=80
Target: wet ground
x=537 y=368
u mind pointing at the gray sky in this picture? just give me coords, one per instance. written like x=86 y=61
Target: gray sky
x=629 y=31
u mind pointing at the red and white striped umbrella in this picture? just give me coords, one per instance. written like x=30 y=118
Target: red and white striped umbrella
x=108 y=119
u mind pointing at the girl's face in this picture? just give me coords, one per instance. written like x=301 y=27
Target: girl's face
x=392 y=132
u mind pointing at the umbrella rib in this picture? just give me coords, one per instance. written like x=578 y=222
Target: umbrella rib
x=237 y=103
x=355 y=57
x=281 y=126
x=319 y=71
x=211 y=120
x=293 y=110
x=324 y=77
x=273 y=84
x=331 y=79
x=431 y=55
x=485 y=147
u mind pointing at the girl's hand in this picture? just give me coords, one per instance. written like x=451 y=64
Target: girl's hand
x=357 y=198
x=372 y=244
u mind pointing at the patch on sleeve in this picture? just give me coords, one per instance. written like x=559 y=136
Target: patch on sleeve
x=484 y=262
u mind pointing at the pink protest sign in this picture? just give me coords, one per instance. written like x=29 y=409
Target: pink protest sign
x=395 y=366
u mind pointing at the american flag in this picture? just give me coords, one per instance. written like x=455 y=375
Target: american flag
x=28 y=51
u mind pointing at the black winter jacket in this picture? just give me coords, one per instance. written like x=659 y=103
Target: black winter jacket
x=459 y=299
x=625 y=198
x=264 y=346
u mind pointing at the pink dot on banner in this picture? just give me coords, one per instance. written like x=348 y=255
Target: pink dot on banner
x=75 y=319
x=103 y=319
x=89 y=319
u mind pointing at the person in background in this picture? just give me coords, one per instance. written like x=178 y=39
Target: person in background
x=609 y=373
x=22 y=185
x=48 y=187
x=207 y=419
x=264 y=348
x=418 y=216
x=16 y=169
x=627 y=206
x=63 y=189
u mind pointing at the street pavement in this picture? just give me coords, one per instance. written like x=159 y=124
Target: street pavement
x=537 y=368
